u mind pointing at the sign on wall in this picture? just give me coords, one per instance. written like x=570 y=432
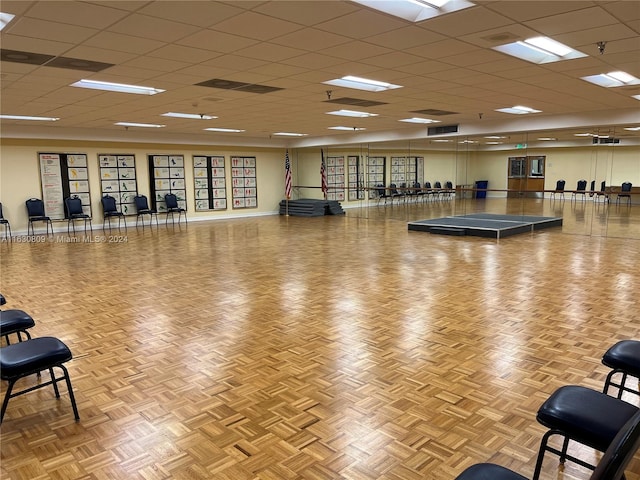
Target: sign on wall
x=166 y=175
x=209 y=182
x=244 y=182
x=63 y=175
x=118 y=179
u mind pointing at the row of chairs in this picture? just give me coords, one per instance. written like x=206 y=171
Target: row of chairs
x=30 y=356
x=605 y=423
x=74 y=211
x=581 y=190
x=416 y=191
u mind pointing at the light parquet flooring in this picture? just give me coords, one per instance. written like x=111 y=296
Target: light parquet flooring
x=336 y=347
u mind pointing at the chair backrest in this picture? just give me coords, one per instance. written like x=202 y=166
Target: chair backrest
x=35 y=207
x=626 y=187
x=380 y=190
x=593 y=185
x=449 y=185
x=437 y=185
x=620 y=452
x=141 y=202
x=582 y=185
x=108 y=204
x=415 y=185
x=560 y=185
x=171 y=200
x=393 y=187
x=427 y=184
x=74 y=205
x=1 y=215
x=603 y=185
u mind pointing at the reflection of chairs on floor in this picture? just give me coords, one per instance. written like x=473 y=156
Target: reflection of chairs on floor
x=602 y=192
x=623 y=358
x=31 y=357
x=610 y=467
x=75 y=212
x=171 y=200
x=110 y=210
x=580 y=190
x=142 y=207
x=583 y=415
x=35 y=211
x=625 y=192
x=382 y=193
x=7 y=225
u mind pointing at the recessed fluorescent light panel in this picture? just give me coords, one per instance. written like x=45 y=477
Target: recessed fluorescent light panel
x=352 y=113
x=360 y=83
x=225 y=130
x=26 y=117
x=416 y=10
x=352 y=129
x=637 y=97
x=5 y=18
x=143 y=125
x=495 y=137
x=116 y=87
x=195 y=116
x=540 y=50
x=518 y=110
x=612 y=79
x=291 y=134
x=547 y=139
x=419 y=120
x=632 y=129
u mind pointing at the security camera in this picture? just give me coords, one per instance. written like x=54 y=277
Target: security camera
x=601 y=46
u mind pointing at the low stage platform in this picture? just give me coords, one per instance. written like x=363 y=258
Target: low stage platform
x=485 y=225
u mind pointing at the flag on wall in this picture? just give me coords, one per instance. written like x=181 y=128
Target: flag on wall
x=323 y=175
x=287 y=175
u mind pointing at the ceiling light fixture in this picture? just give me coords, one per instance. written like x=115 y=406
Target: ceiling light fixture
x=540 y=50
x=116 y=87
x=196 y=116
x=352 y=113
x=632 y=129
x=612 y=79
x=416 y=10
x=291 y=134
x=418 y=120
x=547 y=139
x=518 y=110
x=353 y=129
x=27 y=117
x=143 y=125
x=5 y=18
x=227 y=130
x=360 y=83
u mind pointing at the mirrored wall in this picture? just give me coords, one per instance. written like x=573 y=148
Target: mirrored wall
x=510 y=173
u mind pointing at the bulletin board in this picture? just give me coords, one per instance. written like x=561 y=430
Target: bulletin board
x=63 y=175
x=355 y=178
x=118 y=179
x=244 y=182
x=166 y=175
x=210 y=182
x=335 y=178
x=376 y=167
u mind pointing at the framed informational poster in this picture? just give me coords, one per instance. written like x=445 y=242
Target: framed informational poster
x=118 y=179
x=407 y=170
x=376 y=167
x=63 y=175
x=244 y=182
x=398 y=170
x=335 y=178
x=355 y=172
x=209 y=182
x=166 y=175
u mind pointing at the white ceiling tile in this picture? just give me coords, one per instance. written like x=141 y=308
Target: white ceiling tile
x=360 y=24
x=34 y=45
x=153 y=28
x=216 y=41
x=269 y=52
x=58 y=32
x=123 y=43
x=263 y=27
x=467 y=21
x=76 y=13
x=584 y=19
x=304 y=12
x=202 y=14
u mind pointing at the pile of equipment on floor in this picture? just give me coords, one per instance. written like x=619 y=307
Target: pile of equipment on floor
x=307 y=207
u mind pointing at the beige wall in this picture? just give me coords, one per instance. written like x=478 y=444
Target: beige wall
x=20 y=175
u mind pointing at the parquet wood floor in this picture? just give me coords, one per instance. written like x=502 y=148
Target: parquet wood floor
x=336 y=347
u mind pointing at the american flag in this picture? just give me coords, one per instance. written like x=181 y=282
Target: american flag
x=287 y=176
x=323 y=174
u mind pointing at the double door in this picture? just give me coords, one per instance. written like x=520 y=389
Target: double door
x=526 y=176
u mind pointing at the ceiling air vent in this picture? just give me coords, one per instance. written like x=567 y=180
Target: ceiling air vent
x=442 y=129
x=17 y=56
x=604 y=141
x=356 y=102
x=238 y=86
x=431 y=112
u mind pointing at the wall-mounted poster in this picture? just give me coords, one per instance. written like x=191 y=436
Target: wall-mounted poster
x=376 y=167
x=335 y=178
x=407 y=170
x=244 y=182
x=355 y=174
x=166 y=175
x=118 y=179
x=63 y=175
x=210 y=182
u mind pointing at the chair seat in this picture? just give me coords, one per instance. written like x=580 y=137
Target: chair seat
x=14 y=320
x=32 y=356
x=625 y=356
x=489 y=471
x=3 y=300
x=39 y=219
x=584 y=415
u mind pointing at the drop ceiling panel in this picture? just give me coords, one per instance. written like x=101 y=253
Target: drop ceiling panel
x=199 y=13
x=305 y=12
x=183 y=54
x=465 y=22
x=76 y=13
x=34 y=45
x=355 y=50
x=361 y=24
x=442 y=49
x=59 y=32
x=269 y=52
x=216 y=41
x=123 y=43
x=153 y=28
x=524 y=11
x=262 y=26
x=311 y=39
x=584 y=19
